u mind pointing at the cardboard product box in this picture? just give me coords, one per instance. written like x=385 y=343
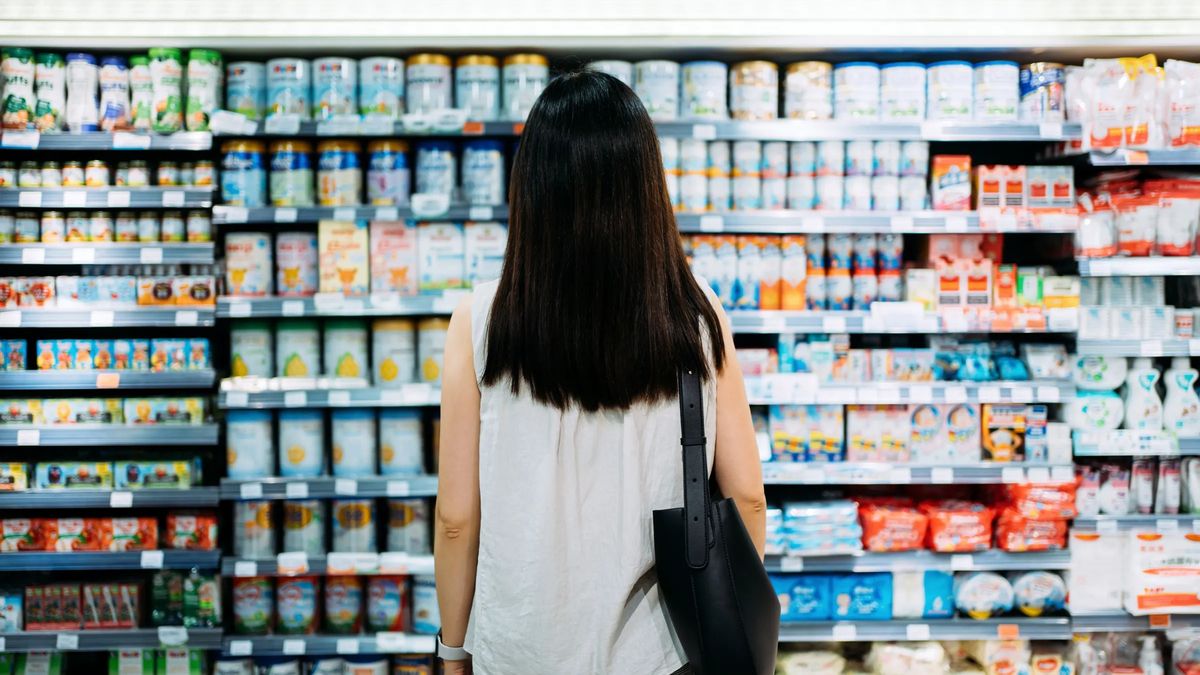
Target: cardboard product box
x=1004 y=432
x=485 y=247
x=989 y=186
x=1005 y=287
x=73 y=475
x=393 y=258
x=441 y=253
x=954 y=246
x=950 y=182
x=1014 y=187
x=1096 y=580
x=1060 y=292
x=343 y=258
x=921 y=286
x=1163 y=573
x=877 y=433
x=951 y=284
x=14 y=477
x=978 y=277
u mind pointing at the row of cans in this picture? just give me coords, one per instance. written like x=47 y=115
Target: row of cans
x=352 y=526
x=363 y=664
x=346 y=605
x=56 y=227
x=778 y=159
x=700 y=193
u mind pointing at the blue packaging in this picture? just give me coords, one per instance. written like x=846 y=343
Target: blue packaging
x=862 y=596
x=243 y=175
x=483 y=173
x=436 y=167
x=803 y=597
x=939 y=595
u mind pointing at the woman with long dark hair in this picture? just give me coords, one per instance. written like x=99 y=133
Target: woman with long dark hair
x=560 y=427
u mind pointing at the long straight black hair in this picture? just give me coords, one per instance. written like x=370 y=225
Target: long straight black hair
x=596 y=306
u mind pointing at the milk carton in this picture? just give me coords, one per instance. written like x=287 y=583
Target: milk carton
x=950 y=182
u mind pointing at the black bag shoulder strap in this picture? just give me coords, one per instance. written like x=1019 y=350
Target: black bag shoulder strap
x=695 y=470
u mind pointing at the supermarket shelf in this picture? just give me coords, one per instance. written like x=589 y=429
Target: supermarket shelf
x=834 y=130
x=329 y=488
x=1139 y=347
x=105 y=254
x=1151 y=266
x=125 y=560
x=104 y=198
x=867 y=473
x=1125 y=157
x=69 y=317
x=292 y=564
x=105 y=499
x=355 y=127
x=1125 y=623
x=1159 y=523
x=108 y=434
x=777 y=321
x=800 y=222
x=305 y=392
x=940 y=629
x=102 y=640
x=31 y=380
x=336 y=304
x=923 y=560
x=801 y=388
x=1129 y=443
x=327 y=645
x=31 y=140
x=236 y=215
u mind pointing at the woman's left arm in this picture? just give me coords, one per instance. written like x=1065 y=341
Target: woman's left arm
x=456 y=539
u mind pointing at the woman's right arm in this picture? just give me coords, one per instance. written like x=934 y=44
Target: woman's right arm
x=736 y=465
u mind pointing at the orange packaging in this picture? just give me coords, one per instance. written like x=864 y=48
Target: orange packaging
x=989 y=186
x=958 y=526
x=1017 y=533
x=1005 y=287
x=951 y=284
x=155 y=291
x=978 y=277
x=770 y=285
x=1043 y=501
x=72 y=534
x=950 y=182
x=193 y=531
x=793 y=272
x=128 y=534
x=973 y=246
x=892 y=528
x=1014 y=187
x=22 y=534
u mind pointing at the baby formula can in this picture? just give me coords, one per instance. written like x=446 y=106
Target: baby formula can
x=381 y=87
x=865 y=290
x=802 y=158
x=858 y=193
x=436 y=167
x=816 y=296
x=248 y=268
x=401 y=448
x=887 y=158
x=148 y=228
x=17 y=73
x=774 y=193
x=754 y=90
x=354 y=526
x=693 y=192
x=747 y=158
x=431 y=343
x=657 y=84
x=297 y=348
x=860 y=158
x=890 y=252
x=831 y=158
x=720 y=193
x=243 y=178
x=388 y=177
x=114 y=93
x=203 y=87
x=885 y=193
x=335 y=87
x=950 y=90
x=670 y=150
x=997 y=90
x=304 y=526
x=408 y=526
x=82 y=80
x=253 y=606
x=747 y=193
x=830 y=193
x=483 y=172
x=1041 y=87
x=914 y=158
x=343 y=606
x=622 y=70
x=289 y=88
x=246 y=88
x=477 y=86
x=704 y=90
x=426 y=619
x=913 y=193
x=339 y=175
x=863 y=251
x=394 y=352
x=291 y=173
x=808 y=91
x=774 y=159
x=525 y=76
x=296 y=267
x=346 y=348
x=302 y=440
x=249 y=444
x=353 y=443
x=253 y=530
x=693 y=156
x=141 y=93
x=839 y=291
x=387 y=603
x=856 y=90
x=50 y=88
x=427 y=83
x=840 y=249
x=199 y=226
x=801 y=193
x=720 y=167
x=296 y=605
x=166 y=80
x=902 y=91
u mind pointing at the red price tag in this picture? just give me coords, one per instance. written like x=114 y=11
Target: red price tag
x=1008 y=631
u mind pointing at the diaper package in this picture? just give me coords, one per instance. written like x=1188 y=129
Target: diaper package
x=892 y=525
x=982 y=595
x=1094 y=411
x=1096 y=578
x=807 y=433
x=809 y=663
x=1039 y=593
x=957 y=526
x=922 y=595
x=862 y=596
x=803 y=597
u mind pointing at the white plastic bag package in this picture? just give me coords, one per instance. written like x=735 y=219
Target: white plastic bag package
x=1182 y=103
x=809 y=663
x=1121 y=103
x=912 y=658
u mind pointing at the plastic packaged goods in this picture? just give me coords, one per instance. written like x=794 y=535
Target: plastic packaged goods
x=524 y=78
x=296 y=605
x=387 y=604
x=426 y=619
x=808 y=91
x=703 y=90
x=253 y=605
x=1120 y=97
x=657 y=85
x=289 y=88
x=477 y=86
x=204 y=80
x=856 y=90
x=981 y=595
x=754 y=90
x=428 y=83
x=246 y=88
x=902 y=91
x=17 y=73
x=82 y=82
x=114 y=94
x=343 y=605
x=141 y=93
x=166 y=78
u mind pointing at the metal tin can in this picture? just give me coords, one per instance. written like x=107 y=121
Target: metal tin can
x=754 y=90
x=801 y=193
x=343 y=605
x=720 y=193
x=246 y=88
x=339 y=175
x=890 y=287
x=174 y=227
x=126 y=227
x=913 y=193
x=774 y=193
x=858 y=193
x=693 y=192
x=52 y=228
x=346 y=348
x=426 y=619
x=354 y=526
x=657 y=84
x=839 y=291
x=251 y=349
x=296 y=605
x=865 y=290
x=885 y=193
x=914 y=158
x=483 y=172
x=394 y=352
x=816 y=293
x=830 y=193
x=51 y=175
x=253 y=530
x=431 y=344
x=693 y=156
x=291 y=173
x=997 y=91
x=96 y=174
x=802 y=158
x=248 y=264
x=747 y=193
x=436 y=167
x=1041 y=87
x=199 y=227
x=863 y=252
x=387 y=173
x=902 y=91
x=100 y=226
x=808 y=91
x=387 y=603
x=856 y=90
x=354 y=443
x=747 y=159
x=335 y=87
x=296 y=265
x=297 y=354
x=289 y=88
x=301 y=436
x=401 y=444
x=381 y=87
x=525 y=76
x=73 y=174
x=304 y=526
x=704 y=90
x=887 y=158
x=477 y=86
x=950 y=90
x=243 y=178
x=622 y=70
x=249 y=444
x=148 y=227
x=860 y=158
x=831 y=158
x=890 y=252
x=408 y=526
x=253 y=605
x=428 y=83
x=774 y=159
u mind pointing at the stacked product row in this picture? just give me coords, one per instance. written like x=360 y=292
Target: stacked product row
x=1098 y=406
x=190 y=531
x=146 y=227
x=348 y=605
x=113 y=287
x=1142 y=486
x=175 y=410
x=1131 y=308
x=1125 y=214
x=133 y=661
x=95 y=173
x=156 y=355
x=86 y=475
x=348 y=525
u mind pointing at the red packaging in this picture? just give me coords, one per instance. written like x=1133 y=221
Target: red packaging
x=1016 y=533
x=128 y=534
x=958 y=526
x=111 y=605
x=72 y=534
x=52 y=607
x=892 y=528
x=193 y=531
x=1043 y=501
x=22 y=534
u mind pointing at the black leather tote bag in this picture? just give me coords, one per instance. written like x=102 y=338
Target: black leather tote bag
x=716 y=589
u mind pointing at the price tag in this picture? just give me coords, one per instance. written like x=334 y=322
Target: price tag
x=391 y=643
x=294 y=647
x=1022 y=394
x=845 y=632
x=108 y=380
x=295 y=399
x=296 y=490
x=941 y=475
x=240 y=310
x=868 y=395
x=291 y=563
x=251 y=491
x=345 y=486
x=232 y=214
x=2 y=645
x=66 y=641
x=704 y=132
x=917 y=632
x=394 y=563
x=237 y=399
x=152 y=560
x=1062 y=474
x=812 y=476
x=920 y=393
x=1137 y=157
x=712 y=224
x=29 y=200
x=187 y=317
x=956 y=223
x=961 y=562
x=833 y=324
x=1167 y=525
x=245 y=568
x=1012 y=474
x=429 y=205
x=1008 y=631
x=478 y=213
x=989 y=394
x=420 y=644
x=151 y=255
x=1151 y=348
x=812 y=224
x=956 y=394
x=397 y=488
x=837 y=395
x=121 y=499
x=1107 y=526
x=772 y=323
x=172 y=198
x=1160 y=621
x=339 y=563
x=791 y=564
x=10 y=319
x=83 y=256
x=118 y=199
x=227 y=122
x=347 y=646
x=123 y=140
x=74 y=198
x=286 y=215
x=344 y=213
x=1048 y=394
x=282 y=125
x=888 y=395
x=33 y=256
x=377 y=125
x=292 y=308
x=101 y=318
x=1039 y=474
x=1050 y=129
x=26 y=140
x=900 y=475
x=339 y=397
x=388 y=214
x=29 y=437
x=241 y=648
x=902 y=223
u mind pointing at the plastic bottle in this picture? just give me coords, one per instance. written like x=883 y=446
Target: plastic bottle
x=1143 y=407
x=1181 y=410
x=1150 y=659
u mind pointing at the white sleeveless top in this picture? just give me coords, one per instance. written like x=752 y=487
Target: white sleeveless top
x=565 y=582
